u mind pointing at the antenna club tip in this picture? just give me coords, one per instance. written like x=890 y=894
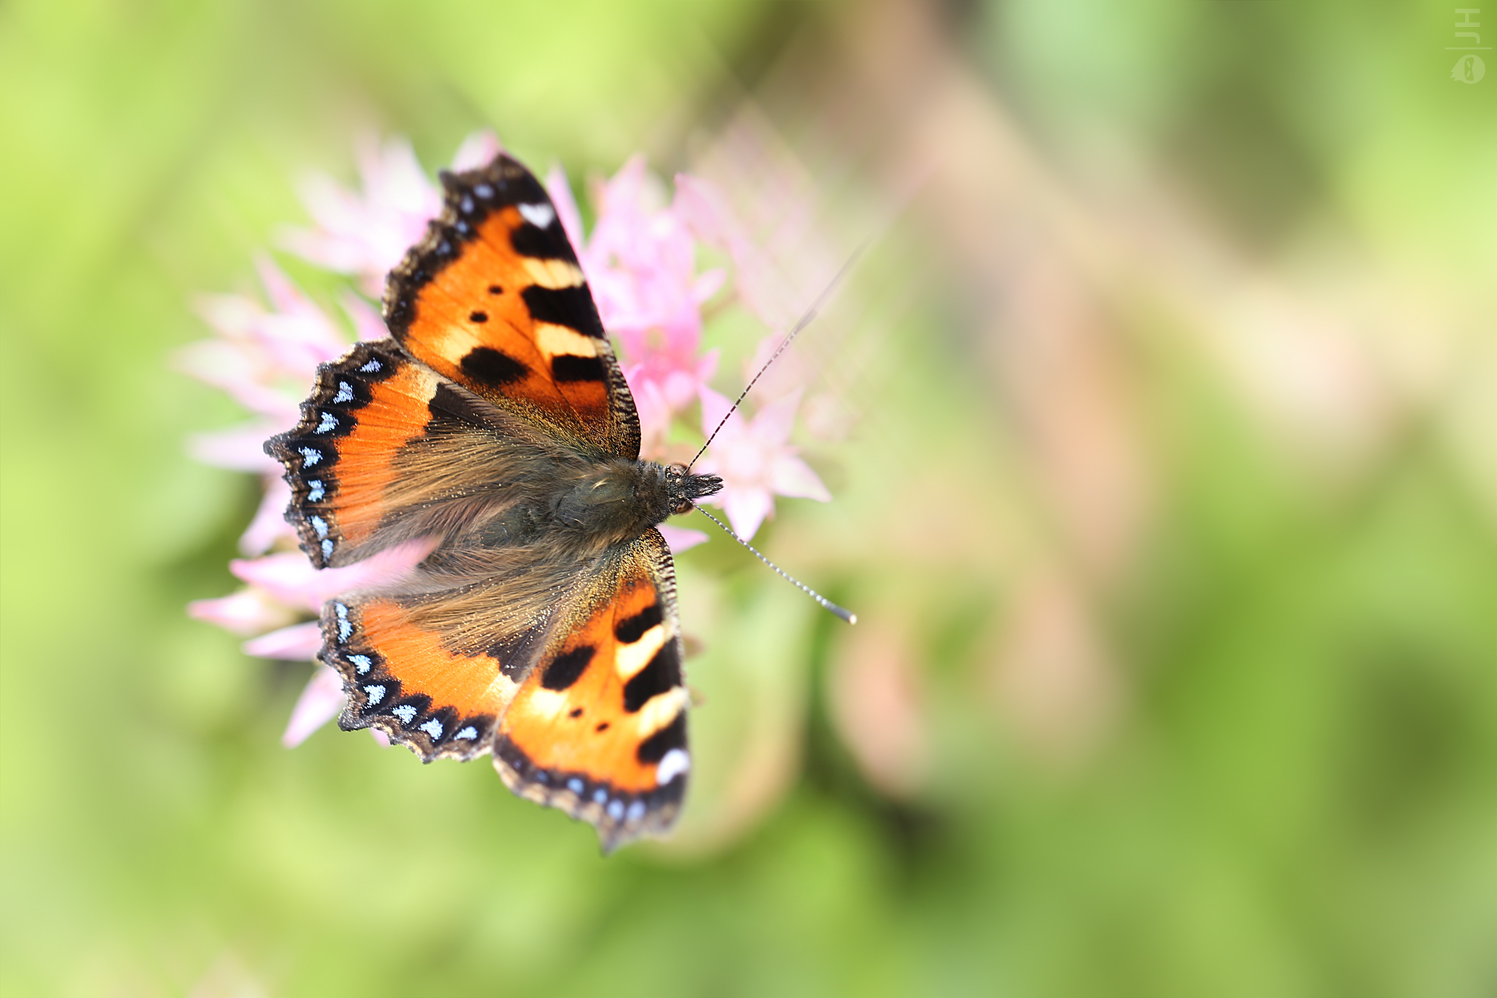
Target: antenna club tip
x=842 y=612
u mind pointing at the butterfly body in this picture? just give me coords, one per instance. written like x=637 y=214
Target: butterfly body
x=496 y=426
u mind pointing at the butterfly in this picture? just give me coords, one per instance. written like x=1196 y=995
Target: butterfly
x=496 y=423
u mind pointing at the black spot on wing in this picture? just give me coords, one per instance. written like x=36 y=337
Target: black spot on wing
x=662 y=674
x=510 y=654
x=673 y=735
x=478 y=316
x=549 y=243
x=571 y=307
x=570 y=367
x=493 y=367
x=567 y=667
x=631 y=629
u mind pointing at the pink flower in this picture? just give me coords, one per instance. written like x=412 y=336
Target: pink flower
x=366 y=234
x=319 y=703
x=265 y=360
x=755 y=460
x=680 y=538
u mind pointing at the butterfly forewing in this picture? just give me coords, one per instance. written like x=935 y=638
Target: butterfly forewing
x=494 y=299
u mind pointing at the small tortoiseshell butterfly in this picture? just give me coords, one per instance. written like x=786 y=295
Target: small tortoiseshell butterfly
x=542 y=627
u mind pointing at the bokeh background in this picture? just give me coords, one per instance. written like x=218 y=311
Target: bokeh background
x=1165 y=488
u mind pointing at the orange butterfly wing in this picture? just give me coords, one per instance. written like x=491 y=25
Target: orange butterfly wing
x=494 y=299
x=590 y=702
x=598 y=728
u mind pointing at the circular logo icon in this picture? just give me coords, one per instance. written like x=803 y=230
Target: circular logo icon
x=1468 y=69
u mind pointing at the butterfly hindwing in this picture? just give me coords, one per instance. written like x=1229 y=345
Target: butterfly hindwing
x=407 y=681
x=495 y=299
x=598 y=728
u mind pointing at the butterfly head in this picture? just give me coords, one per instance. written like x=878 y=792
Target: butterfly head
x=684 y=489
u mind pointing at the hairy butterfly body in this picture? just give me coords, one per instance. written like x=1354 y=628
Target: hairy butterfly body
x=495 y=422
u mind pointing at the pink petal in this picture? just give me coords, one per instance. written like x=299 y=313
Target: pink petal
x=378 y=569
x=228 y=315
x=394 y=182
x=708 y=283
x=790 y=476
x=291 y=578
x=294 y=643
x=367 y=324
x=246 y=612
x=747 y=509
x=787 y=373
x=566 y=208
x=241 y=370
x=269 y=524
x=288 y=577
x=478 y=150
x=680 y=538
x=714 y=408
x=241 y=448
x=318 y=704
x=774 y=421
x=702 y=207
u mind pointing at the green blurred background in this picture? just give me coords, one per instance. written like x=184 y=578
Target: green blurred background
x=1169 y=508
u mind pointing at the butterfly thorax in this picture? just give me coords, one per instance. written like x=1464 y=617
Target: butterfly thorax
x=617 y=500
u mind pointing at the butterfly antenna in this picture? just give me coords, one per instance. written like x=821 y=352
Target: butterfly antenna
x=801 y=323
x=826 y=604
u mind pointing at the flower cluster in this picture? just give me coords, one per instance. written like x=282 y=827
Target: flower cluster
x=641 y=264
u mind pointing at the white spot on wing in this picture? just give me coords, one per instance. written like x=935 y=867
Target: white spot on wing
x=310 y=456
x=370 y=367
x=549 y=272
x=314 y=490
x=660 y=710
x=545 y=703
x=328 y=424
x=407 y=714
x=361 y=663
x=539 y=215
x=629 y=659
x=467 y=734
x=319 y=525
x=433 y=728
x=345 y=393
x=327 y=548
x=673 y=764
x=553 y=339
x=375 y=694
